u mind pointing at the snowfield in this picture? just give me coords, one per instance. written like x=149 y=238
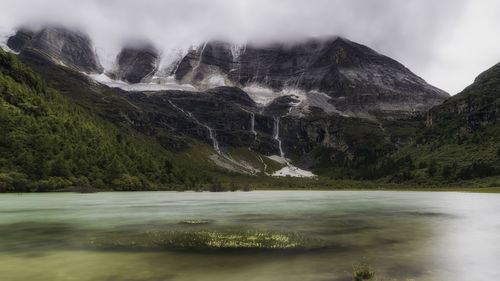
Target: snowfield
x=5 y=33
x=292 y=171
x=157 y=85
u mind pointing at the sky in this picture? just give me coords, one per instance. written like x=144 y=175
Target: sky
x=446 y=42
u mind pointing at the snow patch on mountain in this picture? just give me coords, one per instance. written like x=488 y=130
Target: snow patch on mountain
x=157 y=84
x=278 y=159
x=264 y=96
x=315 y=99
x=292 y=171
x=216 y=81
x=289 y=170
x=5 y=33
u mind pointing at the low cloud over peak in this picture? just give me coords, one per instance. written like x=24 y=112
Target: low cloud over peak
x=413 y=32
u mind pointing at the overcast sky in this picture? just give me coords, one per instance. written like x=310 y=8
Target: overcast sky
x=447 y=42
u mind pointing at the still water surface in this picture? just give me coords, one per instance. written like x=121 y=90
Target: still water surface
x=402 y=235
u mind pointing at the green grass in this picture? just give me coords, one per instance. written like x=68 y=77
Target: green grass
x=201 y=239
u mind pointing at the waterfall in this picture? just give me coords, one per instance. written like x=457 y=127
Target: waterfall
x=276 y=135
x=198 y=63
x=252 y=124
x=211 y=133
x=237 y=50
x=213 y=137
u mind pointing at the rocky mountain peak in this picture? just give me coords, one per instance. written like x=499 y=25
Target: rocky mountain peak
x=356 y=78
x=69 y=47
x=136 y=63
x=335 y=74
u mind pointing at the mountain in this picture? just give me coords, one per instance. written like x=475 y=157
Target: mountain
x=136 y=64
x=330 y=106
x=334 y=74
x=68 y=47
x=460 y=140
x=357 y=80
x=473 y=109
x=228 y=120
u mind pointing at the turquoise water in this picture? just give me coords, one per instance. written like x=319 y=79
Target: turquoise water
x=402 y=235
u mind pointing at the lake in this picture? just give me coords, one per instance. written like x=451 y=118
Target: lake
x=260 y=235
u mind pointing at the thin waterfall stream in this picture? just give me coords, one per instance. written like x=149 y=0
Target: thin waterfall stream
x=211 y=133
x=252 y=124
x=198 y=63
x=276 y=136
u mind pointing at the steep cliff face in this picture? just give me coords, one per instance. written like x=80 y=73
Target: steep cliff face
x=226 y=117
x=135 y=64
x=355 y=78
x=71 y=48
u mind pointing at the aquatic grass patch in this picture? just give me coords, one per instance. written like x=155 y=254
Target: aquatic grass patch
x=196 y=222
x=203 y=240
x=229 y=240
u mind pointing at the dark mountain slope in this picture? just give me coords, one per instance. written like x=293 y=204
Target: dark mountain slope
x=462 y=138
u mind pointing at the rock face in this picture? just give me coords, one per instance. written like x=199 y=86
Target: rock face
x=136 y=64
x=224 y=114
x=356 y=78
x=71 y=48
x=228 y=116
x=18 y=41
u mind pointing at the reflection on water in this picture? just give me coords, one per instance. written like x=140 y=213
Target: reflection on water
x=284 y=235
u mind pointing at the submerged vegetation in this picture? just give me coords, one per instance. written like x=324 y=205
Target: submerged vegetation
x=199 y=240
x=362 y=272
x=189 y=238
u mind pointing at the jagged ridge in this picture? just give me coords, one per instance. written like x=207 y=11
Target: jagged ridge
x=356 y=78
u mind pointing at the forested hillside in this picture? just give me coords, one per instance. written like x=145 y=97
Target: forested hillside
x=48 y=143
x=461 y=139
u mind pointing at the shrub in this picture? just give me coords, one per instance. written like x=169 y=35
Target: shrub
x=217 y=187
x=126 y=182
x=233 y=187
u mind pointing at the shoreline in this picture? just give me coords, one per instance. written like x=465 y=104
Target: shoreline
x=490 y=190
